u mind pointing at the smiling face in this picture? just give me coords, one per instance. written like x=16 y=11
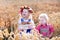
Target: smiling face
x=25 y=13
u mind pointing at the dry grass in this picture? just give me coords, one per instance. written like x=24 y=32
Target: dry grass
x=9 y=12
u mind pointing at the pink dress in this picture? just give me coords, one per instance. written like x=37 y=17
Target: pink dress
x=45 y=30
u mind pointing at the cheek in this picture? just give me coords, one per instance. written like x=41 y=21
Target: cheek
x=43 y=21
x=23 y=14
x=26 y=15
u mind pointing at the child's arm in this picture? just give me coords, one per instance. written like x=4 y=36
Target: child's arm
x=50 y=35
x=32 y=23
x=51 y=31
x=24 y=23
x=19 y=21
x=38 y=27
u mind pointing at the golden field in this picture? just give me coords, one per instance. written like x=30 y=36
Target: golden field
x=9 y=12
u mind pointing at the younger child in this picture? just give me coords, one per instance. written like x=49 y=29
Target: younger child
x=44 y=28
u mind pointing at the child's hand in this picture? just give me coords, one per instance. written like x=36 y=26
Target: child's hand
x=28 y=22
x=25 y=23
x=50 y=35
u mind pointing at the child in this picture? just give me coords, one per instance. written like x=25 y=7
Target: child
x=25 y=22
x=44 y=28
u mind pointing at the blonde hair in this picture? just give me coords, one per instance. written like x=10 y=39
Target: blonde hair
x=44 y=15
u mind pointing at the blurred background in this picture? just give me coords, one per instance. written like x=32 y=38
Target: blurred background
x=9 y=12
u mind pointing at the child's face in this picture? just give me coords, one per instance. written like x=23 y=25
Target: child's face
x=43 y=20
x=25 y=13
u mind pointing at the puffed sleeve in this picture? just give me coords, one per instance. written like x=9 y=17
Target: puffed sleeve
x=32 y=23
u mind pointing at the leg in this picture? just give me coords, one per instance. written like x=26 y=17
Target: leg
x=28 y=30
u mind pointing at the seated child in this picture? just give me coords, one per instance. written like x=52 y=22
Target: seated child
x=26 y=19
x=44 y=27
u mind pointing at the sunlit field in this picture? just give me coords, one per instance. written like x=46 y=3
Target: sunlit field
x=9 y=14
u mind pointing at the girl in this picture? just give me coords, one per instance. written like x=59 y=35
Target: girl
x=44 y=28
x=25 y=22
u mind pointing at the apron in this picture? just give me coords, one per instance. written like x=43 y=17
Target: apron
x=25 y=27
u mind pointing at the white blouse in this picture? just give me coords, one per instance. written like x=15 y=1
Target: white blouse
x=26 y=26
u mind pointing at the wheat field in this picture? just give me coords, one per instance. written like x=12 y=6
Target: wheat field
x=9 y=12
